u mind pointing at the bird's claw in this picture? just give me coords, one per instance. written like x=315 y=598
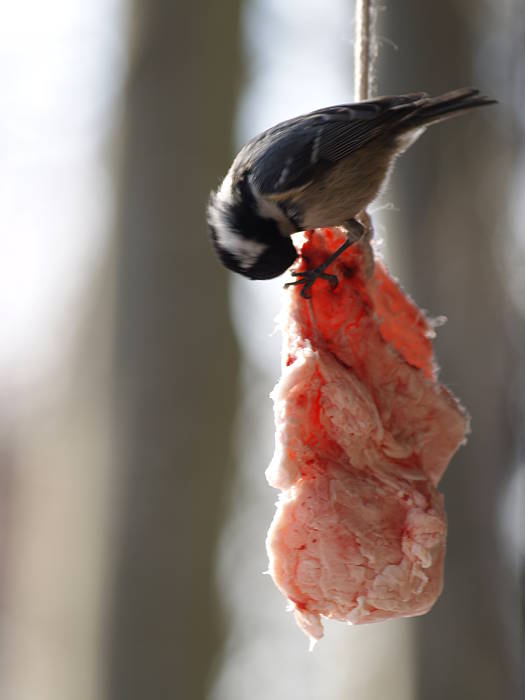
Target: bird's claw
x=355 y=232
x=308 y=277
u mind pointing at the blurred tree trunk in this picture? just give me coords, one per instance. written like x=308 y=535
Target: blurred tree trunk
x=176 y=359
x=451 y=192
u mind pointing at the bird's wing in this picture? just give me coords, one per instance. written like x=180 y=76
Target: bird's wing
x=295 y=152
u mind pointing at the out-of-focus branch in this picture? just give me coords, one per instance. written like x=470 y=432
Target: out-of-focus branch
x=176 y=358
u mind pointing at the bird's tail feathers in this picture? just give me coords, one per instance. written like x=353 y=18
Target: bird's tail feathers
x=429 y=110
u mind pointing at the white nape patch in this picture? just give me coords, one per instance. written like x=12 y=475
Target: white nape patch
x=224 y=194
x=269 y=209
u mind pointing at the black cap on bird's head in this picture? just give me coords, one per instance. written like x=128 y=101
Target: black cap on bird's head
x=245 y=241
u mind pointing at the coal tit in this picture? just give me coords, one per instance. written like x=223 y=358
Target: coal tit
x=317 y=170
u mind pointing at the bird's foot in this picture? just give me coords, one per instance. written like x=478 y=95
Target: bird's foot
x=308 y=277
x=355 y=232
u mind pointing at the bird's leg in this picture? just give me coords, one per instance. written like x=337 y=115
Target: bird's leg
x=355 y=232
x=365 y=242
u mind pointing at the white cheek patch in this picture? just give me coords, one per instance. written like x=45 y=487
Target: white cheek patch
x=245 y=251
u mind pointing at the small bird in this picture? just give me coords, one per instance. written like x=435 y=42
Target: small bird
x=317 y=170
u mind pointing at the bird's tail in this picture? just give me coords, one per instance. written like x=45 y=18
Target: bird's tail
x=428 y=110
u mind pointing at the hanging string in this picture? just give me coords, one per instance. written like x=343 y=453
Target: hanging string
x=364 y=49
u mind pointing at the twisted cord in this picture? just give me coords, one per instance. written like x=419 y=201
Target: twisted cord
x=364 y=49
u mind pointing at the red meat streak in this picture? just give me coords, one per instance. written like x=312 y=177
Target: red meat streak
x=364 y=432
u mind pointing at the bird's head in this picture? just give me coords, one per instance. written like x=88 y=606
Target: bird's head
x=245 y=241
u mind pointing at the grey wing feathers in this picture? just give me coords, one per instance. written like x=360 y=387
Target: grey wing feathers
x=293 y=153
x=290 y=154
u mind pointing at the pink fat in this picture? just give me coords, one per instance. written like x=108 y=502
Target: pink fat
x=364 y=432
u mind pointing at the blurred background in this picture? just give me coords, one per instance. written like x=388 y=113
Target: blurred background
x=134 y=371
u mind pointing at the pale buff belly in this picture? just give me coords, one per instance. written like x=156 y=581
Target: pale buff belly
x=345 y=191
